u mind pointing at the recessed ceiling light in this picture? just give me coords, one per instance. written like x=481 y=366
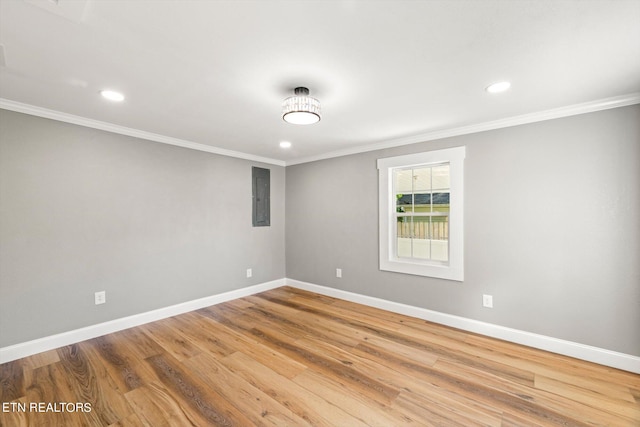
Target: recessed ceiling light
x=498 y=87
x=285 y=144
x=112 y=95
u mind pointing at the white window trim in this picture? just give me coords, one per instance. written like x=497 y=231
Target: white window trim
x=454 y=270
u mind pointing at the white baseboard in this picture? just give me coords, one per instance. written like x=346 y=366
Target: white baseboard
x=568 y=348
x=29 y=348
x=598 y=355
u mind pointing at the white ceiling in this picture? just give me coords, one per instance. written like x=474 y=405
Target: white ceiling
x=216 y=72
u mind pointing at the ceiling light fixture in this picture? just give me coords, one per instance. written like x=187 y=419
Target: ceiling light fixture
x=301 y=109
x=498 y=87
x=112 y=95
x=285 y=144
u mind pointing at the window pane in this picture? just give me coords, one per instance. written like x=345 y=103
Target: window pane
x=440 y=200
x=422 y=202
x=440 y=238
x=405 y=231
x=404 y=227
x=440 y=177
x=421 y=244
x=440 y=227
x=403 y=181
x=422 y=179
x=403 y=201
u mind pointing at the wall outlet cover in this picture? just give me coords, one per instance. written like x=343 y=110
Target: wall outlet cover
x=100 y=297
x=487 y=301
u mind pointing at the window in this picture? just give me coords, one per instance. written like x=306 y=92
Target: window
x=421 y=213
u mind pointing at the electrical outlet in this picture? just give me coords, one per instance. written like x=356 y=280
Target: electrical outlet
x=101 y=297
x=487 y=301
x=249 y=272
x=338 y=272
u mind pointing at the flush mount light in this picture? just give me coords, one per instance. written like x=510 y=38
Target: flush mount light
x=498 y=87
x=301 y=109
x=112 y=95
x=285 y=144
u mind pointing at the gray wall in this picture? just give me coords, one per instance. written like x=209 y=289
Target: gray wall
x=551 y=223
x=153 y=225
x=551 y=229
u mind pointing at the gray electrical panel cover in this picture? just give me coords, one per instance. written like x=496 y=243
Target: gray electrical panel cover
x=261 y=211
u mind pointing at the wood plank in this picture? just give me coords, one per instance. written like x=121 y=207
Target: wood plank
x=306 y=324
x=90 y=382
x=411 y=354
x=332 y=312
x=345 y=368
x=50 y=384
x=197 y=330
x=254 y=404
x=328 y=366
x=139 y=344
x=157 y=406
x=606 y=403
x=41 y=359
x=543 y=362
x=11 y=380
x=289 y=293
x=15 y=418
x=249 y=345
x=302 y=402
x=194 y=398
x=358 y=406
x=435 y=414
x=171 y=340
x=131 y=421
x=402 y=373
x=529 y=403
x=437 y=347
x=122 y=367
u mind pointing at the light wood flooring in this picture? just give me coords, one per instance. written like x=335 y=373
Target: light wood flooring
x=288 y=357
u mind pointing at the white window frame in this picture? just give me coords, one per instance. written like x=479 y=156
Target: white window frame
x=454 y=268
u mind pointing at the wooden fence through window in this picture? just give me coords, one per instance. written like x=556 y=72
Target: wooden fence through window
x=436 y=230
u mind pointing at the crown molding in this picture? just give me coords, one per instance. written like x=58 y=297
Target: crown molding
x=556 y=113
x=33 y=110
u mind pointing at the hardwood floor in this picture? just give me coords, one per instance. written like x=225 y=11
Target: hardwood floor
x=289 y=357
